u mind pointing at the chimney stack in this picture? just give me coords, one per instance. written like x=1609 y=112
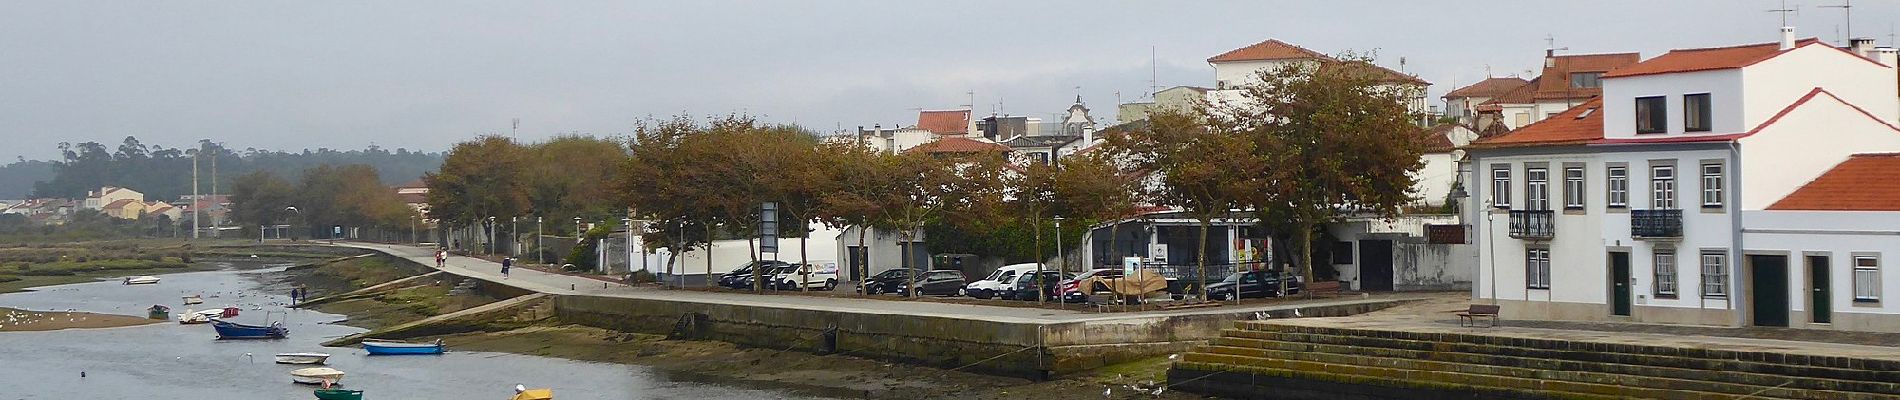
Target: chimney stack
x=1787 y=37
x=1863 y=47
x=1550 y=58
x=1886 y=56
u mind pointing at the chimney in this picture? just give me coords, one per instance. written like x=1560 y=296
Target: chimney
x=1550 y=58
x=1886 y=56
x=1863 y=47
x=1787 y=37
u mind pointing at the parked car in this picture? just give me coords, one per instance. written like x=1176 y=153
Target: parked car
x=936 y=283
x=889 y=281
x=991 y=285
x=1072 y=290
x=1026 y=285
x=816 y=275
x=1253 y=284
x=741 y=278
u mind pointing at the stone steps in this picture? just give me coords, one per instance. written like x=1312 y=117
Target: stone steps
x=1342 y=363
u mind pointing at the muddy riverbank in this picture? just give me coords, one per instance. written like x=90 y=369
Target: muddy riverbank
x=17 y=320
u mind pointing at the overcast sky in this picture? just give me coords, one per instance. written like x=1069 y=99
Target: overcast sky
x=425 y=74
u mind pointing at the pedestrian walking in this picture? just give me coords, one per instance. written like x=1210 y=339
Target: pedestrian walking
x=506 y=262
x=441 y=258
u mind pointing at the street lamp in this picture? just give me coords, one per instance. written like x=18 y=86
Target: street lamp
x=629 y=222
x=538 y=253
x=1061 y=262
x=491 y=235
x=577 y=228
x=514 y=236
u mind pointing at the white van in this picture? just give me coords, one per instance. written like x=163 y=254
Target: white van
x=816 y=275
x=990 y=285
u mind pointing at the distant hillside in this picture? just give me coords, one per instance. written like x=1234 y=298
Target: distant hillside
x=165 y=173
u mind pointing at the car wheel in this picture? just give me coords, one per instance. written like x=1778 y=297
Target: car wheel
x=961 y=292
x=831 y=284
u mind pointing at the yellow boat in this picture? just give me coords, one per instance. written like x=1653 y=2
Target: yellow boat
x=535 y=394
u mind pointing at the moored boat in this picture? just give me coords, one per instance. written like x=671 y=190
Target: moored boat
x=158 y=312
x=339 y=394
x=194 y=299
x=233 y=330
x=317 y=376
x=190 y=317
x=384 y=347
x=141 y=280
x=302 y=358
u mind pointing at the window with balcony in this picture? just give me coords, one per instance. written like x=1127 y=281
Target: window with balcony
x=1712 y=185
x=1714 y=274
x=1573 y=188
x=1501 y=187
x=1537 y=268
x=1695 y=112
x=1662 y=187
x=1651 y=117
x=1536 y=189
x=1619 y=186
x=1665 y=273
x=1866 y=279
x=1655 y=223
x=1533 y=224
x=1585 y=80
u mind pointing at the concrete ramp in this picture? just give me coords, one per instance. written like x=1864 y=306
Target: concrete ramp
x=514 y=311
x=370 y=291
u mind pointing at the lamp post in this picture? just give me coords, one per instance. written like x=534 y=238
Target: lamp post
x=514 y=236
x=629 y=222
x=577 y=228
x=1061 y=261
x=538 y=253
x=491 y=235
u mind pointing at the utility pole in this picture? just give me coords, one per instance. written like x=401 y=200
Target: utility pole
x=195 y=200
x=539 y=258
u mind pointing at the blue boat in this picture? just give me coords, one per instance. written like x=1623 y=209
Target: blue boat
x=233 y=330
x=387 y=348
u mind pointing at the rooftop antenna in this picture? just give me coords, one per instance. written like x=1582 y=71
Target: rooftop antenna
x=512 y=126
x=1847 y=7
x=972 y=99
x=1154 y=68
x=1785 y=10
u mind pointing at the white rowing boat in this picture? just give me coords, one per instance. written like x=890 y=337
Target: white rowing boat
x=141 y=280
x=316 y=376
x=302 y=358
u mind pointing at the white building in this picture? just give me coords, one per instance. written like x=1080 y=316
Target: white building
x=1566 y=80
x=107 y=195
x=1633 y=206
x=1178 y=99
x=1241 y=67
x=1462 y=103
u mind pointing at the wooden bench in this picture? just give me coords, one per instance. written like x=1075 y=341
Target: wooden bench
x=1470 y=317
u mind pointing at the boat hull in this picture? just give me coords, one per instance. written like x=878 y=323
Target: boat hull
x=141 y=280
x=300 y=358
x=391 y=349
x=232 y=330
x=316 y=376
x=339 y=394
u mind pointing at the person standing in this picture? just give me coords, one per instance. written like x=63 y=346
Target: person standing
x=506 y=262
x=441 y=258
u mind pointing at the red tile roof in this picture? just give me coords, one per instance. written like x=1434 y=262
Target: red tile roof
x=1865 y=182
x=944 y=122
x=1490 y=87
x=1554 y=83
x=1523 y=94
x=1271 y=49
x=1379 y=73
x=1707 y=59
x=1438 y=138
x=1578 y=125
x=959 y=145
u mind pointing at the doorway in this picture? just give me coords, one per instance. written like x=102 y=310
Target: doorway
x=1375 y=265
x=1769 y=289
x=1820 y=308
x=1620 y=284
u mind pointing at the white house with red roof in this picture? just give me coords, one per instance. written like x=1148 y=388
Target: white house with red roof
x=1834 y=235
x=1637 y=205
x=1241 y=67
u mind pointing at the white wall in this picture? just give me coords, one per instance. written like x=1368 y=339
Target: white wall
x=729 y=254
x=1774 y=84
x=1435 y=179
x=1727 y=112
x=1840 y=235
x=1784 y=156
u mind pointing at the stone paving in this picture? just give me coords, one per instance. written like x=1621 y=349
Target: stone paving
x=546 y=282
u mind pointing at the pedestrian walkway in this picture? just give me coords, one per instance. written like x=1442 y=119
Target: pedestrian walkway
x=546 y=282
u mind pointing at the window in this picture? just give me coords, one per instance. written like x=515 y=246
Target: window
x=1866 y=279
x=1619 y=186
x=1650 y=116
x=1537 y=268
x=1584 y=80
x=1501 y=187
x=1536 y=189
x=1712 y=185
x=1662 y=187
x=1714 y=275
x=1695 y=112
x=1573 y=188
x=1665 y=273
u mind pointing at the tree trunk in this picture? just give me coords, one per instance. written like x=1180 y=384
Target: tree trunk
x=1306 y=257
x=1202 y=261
x=1114 y=243
x=866 y=260
x=758 y=285
x=1037 y=225
x=709 y=254
x=910 y=276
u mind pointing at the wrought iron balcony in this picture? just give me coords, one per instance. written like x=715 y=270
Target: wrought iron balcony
x=1656 y=223
x=1533 y=224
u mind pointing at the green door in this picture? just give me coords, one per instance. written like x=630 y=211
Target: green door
x=1820 y=310
x=1620 y=283
x=1769 y=290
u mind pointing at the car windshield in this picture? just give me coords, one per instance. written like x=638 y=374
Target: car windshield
x=1235 y=277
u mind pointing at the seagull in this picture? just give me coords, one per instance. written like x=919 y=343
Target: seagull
x=1296 y=312
x=1172 y=357
x=1106 y=391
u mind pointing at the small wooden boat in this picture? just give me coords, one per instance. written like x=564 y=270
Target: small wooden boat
x=194 y=299
x=339 y=394
x=233 y=330
x=302 y=358
x=141 y=280
x=158 y=312
x=317 y=376
x=384 y=347
x=534 y=394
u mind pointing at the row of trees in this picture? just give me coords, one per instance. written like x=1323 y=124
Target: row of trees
x=324 y=196
x=165 y=172
x=493 y=179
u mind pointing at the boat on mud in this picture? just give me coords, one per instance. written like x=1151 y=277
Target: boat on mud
x=233 y=330
x=387 y=347
x=302 y=358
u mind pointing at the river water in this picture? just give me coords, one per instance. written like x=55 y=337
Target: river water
x=172 y=361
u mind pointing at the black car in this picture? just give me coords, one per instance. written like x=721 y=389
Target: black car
x=937 y=283
x=889 y=281
x=741 y=278
x=1253 y=284
x=1026 y=285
